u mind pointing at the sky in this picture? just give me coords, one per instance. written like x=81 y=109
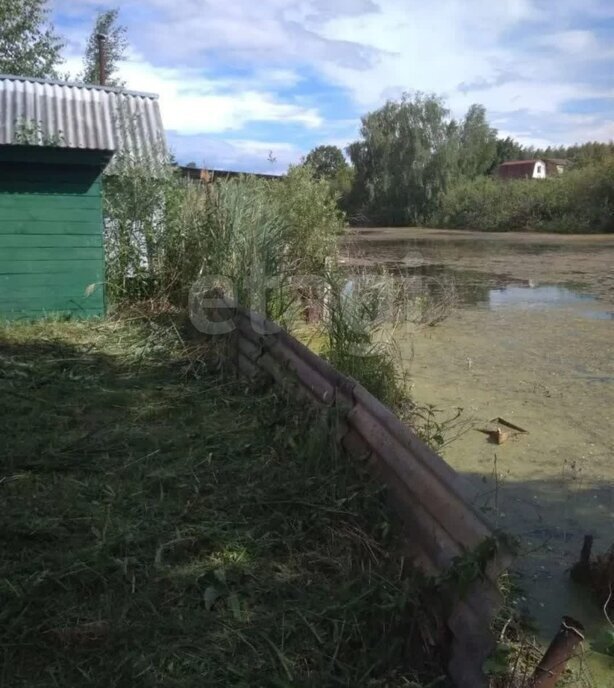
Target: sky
x=253 y=85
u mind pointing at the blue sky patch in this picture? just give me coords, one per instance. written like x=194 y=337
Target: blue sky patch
x=239 y=79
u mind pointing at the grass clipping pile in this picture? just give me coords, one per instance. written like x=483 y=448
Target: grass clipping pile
x=163 y=525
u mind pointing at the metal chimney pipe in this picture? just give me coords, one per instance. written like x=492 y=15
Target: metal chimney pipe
x=102 y=58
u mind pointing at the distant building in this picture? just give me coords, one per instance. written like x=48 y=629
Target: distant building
x=555 y=166
x=531 y=169
x=206 y=175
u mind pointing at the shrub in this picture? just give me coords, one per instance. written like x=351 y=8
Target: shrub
x=135 y=209
x=581 y=200
x=309 y=210
x=164 y=231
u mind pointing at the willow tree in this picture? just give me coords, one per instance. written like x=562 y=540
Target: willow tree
x=407 y=154
x=477 y=144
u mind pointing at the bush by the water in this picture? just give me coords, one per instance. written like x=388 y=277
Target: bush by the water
x=581 y=200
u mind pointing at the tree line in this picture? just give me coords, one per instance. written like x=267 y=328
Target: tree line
x=413 y=156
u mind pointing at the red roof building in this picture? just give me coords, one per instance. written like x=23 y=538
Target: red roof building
x=522 y=169
x=531 y=169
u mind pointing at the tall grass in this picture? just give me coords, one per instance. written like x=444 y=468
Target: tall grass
x=358 y=334
x=268 y=245
x=163 y=232
x=581 y=200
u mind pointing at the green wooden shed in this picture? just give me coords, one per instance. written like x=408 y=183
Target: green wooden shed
x=56 y=139
x=51 y=231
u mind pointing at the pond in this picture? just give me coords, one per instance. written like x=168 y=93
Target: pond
x=530 y=339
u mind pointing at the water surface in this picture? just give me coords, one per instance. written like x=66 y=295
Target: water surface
x=530 y=339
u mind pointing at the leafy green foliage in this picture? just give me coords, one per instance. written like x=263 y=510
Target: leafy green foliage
x=357 y=335
x=137 y=198
x=478 y=144
x=413 y=160
x=506 y=149
x=580 y=200
x=355 y=341
x=471 y=566
x=326 y=161
x=164 y=231
x=32 y=133
x=341 y=186
x=409 y=154
x=498 y=664
x=29 y=45
x=307 y=205
x=116 y=45
x=578 y=154
x=605 y=642
x=404 y=160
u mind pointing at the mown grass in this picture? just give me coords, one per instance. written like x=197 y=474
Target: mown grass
x=164 y=525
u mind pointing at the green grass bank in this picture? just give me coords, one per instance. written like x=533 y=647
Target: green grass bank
x=162 y=525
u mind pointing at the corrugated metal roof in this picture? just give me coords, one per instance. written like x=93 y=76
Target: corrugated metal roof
x=79 y=116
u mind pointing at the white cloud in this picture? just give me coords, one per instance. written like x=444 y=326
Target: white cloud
x=201 y=32
x=277 y=77
x=534 y=96
x=570 y=41
x=541 y=131
x=528 y=56
x=234 y=154
x=463 y=50
x=193 y=103
x=440 y=46
x=565 y=9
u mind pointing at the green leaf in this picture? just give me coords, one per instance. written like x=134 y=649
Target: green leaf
x=498 y=663
x=605 y=643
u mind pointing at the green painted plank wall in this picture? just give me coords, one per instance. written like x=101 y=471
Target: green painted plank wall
x=82 y=278
x=51 y=241
x=55 y=267
x=47 y=227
